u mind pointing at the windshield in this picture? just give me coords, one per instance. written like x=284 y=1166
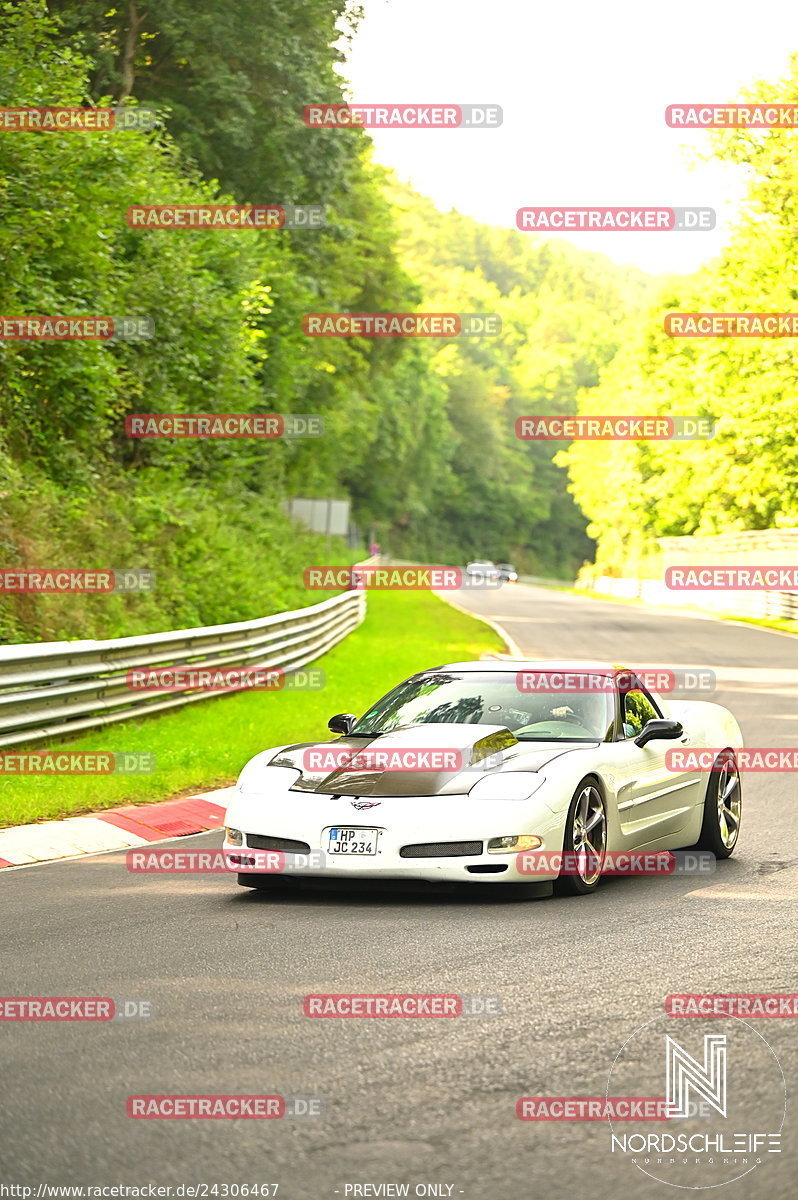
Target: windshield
x=491 y=698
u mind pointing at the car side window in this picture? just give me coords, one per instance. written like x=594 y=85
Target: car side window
x=637 y=710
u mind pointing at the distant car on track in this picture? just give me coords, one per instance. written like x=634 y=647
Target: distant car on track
x=482 y=571
x=507 y=572
x=460 y=770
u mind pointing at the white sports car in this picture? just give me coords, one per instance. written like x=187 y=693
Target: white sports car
x=504 y=773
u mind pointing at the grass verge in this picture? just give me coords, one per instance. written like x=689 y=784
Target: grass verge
x=205 y=745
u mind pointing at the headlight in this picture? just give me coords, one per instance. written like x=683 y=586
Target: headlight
x=515 y=841
x=507 y=785
x=234 y=836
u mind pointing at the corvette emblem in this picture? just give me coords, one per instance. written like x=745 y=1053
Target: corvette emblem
x=365 y=803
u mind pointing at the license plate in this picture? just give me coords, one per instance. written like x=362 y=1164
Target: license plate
x=352 y=841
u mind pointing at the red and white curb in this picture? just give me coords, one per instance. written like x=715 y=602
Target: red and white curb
x=113 y=829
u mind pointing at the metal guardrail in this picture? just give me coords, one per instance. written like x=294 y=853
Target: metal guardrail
x=758 y=604
x=545 y=581
x=55 y=689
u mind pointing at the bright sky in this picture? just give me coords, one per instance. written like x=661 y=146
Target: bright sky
x=584 y=85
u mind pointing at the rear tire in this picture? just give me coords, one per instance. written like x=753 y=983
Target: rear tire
x=723 y=806
x=585 y=842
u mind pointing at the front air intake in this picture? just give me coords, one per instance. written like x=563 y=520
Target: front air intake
x=256 y=841
x=441 y=850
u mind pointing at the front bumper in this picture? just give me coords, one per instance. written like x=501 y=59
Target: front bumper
x=410 y=821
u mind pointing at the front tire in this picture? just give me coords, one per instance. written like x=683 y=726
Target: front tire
x=723 y=807
x=585 y=842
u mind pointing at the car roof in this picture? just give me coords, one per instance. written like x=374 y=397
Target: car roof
x=529 y=664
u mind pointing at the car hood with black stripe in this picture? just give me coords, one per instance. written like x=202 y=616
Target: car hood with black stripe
x=419 y=760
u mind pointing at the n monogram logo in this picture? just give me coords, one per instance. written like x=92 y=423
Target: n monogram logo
x=684 y=1074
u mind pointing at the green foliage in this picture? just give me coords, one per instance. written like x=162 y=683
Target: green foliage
x=234 y=79
x=746 y=477
x=227 y=556
x=559 y=309
x=419 y=434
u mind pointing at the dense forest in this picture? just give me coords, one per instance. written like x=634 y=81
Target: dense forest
x=419 y=432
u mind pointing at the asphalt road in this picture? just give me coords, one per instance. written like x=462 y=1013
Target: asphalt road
x=405 y=1101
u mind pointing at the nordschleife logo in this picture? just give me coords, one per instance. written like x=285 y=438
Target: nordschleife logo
x=725 y=1101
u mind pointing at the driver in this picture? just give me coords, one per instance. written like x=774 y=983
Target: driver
x=587 y=709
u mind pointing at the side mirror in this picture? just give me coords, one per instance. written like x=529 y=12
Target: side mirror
x=664 y=729
x=342 y=723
